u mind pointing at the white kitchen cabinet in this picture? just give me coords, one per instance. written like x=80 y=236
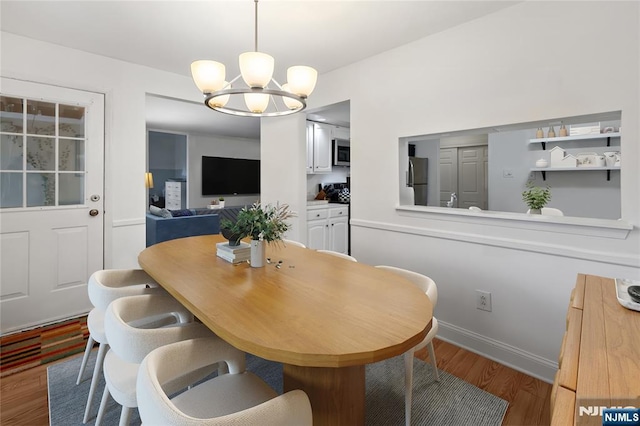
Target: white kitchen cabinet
x=175 y=194
x=328 y=228
x=341 y=133
x=320 y=136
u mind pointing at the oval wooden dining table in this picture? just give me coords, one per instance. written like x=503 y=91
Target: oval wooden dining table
x=323 y=317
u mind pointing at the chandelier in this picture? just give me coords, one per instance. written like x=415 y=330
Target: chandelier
x=256 y=70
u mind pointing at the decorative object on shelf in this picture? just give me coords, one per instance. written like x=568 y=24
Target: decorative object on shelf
x=214 y=204
x=536 y=197
x=256 y=69
x=551 y=133
x=589 y=129
x=559 y=158
x=600 y=161
x=586 y=159
x=262 y=224
x=221 y=202
x=542 y=163
x=563 y=132
x=539 y=133
x=612 y=158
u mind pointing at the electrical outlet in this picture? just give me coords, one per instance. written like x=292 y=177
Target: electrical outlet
x=507 y=173
x=483 y=300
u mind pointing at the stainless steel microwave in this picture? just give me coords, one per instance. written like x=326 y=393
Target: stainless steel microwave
x=341 y=152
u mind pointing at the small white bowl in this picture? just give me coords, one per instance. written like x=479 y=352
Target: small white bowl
x=542 y=163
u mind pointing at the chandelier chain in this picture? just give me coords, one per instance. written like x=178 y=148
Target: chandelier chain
x=255 y=37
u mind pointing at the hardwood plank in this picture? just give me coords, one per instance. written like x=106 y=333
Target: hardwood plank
x=526 y=409
x=570 y=352
x=564 y=407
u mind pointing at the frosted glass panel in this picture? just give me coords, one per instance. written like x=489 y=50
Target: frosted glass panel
x=11 y=152
x=41 y=189
x=40 y=153
x=71 y=121
x=71 y=155
x=71 y=189
x=10 y=190
x=10 y=114
x=41 y=118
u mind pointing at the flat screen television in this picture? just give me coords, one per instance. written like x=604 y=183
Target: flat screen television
x=229 y=176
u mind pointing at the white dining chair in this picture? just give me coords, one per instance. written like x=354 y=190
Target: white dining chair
x=129 y=344
x=427 y=285
x=338 y=254
x=105 y=286
x=293 y=243
x=236 y=398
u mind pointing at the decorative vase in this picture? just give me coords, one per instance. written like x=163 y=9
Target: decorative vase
x=551 y=133
x=539 y=133
x=258 y=253
x=563 y=131
x=535 y=211
x=234 y=239
x=221 y=204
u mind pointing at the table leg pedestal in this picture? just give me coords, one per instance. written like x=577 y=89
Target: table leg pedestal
x=336 y=394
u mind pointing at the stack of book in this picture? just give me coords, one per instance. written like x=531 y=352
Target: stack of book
x=234 y=254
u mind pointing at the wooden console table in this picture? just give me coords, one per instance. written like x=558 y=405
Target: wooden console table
x=600 y=355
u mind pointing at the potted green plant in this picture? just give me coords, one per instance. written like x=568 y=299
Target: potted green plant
x=262 y=224
x=536 y=197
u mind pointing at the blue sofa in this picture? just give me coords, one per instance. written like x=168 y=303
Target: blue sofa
x=161 y=229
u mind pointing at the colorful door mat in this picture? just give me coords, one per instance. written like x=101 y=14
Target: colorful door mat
x=41 y=345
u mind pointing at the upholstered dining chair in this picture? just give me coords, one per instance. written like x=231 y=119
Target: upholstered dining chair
x=427 y=285
x=105 y=286
x=293 y=243
x=129 y=344
x=338 y=254
x=236 y=398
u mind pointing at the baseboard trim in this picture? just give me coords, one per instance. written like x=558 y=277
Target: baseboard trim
x=518 y=359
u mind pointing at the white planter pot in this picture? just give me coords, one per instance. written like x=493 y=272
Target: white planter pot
x=258 y=253
x=535 y=211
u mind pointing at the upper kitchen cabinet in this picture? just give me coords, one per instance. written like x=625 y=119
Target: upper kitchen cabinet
x=319 y=137
x=341 y=133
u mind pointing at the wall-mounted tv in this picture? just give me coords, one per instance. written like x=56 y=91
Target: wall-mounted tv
x=229 y=176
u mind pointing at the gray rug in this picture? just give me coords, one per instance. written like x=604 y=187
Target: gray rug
x=451 y=401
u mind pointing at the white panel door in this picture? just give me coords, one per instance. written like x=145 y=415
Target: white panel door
x=472 y=177
x=51 y=201
x=321 y=147
x=448 y=174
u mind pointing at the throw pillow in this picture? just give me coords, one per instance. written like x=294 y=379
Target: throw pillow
x=179 y=213
x=157 y=211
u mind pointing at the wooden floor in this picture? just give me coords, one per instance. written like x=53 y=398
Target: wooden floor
x=23 y=396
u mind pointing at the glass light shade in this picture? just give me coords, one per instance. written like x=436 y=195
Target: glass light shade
x=208 y=75
x=221 y=101
x=256 y=102
x=256 y=68
x=290 y=103
x=301 y=80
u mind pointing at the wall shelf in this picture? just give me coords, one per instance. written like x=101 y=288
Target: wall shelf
x=607 y=136
x=572 y=169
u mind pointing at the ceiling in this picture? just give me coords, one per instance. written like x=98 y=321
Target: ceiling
x=169 y=35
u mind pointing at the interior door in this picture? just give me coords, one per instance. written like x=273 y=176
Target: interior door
x=51 y=201
x=472 y=181
x=448 y=174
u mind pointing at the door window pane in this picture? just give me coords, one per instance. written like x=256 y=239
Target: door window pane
x=41 y=189
x=71 y=121
x=40 y=153
x=71 y=190
x=10 y=190
x=71 y=155
x=41 y=118
x=10 y=114
x=11 y=152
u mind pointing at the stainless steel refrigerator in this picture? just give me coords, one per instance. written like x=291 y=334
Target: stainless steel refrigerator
x=418 y=179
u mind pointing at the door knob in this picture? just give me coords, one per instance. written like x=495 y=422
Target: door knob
x=94 y=212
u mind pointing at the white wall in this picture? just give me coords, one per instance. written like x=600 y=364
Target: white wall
x=217 y=146
x=522 y=64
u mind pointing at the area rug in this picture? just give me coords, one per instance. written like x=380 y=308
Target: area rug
x=451 y=401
